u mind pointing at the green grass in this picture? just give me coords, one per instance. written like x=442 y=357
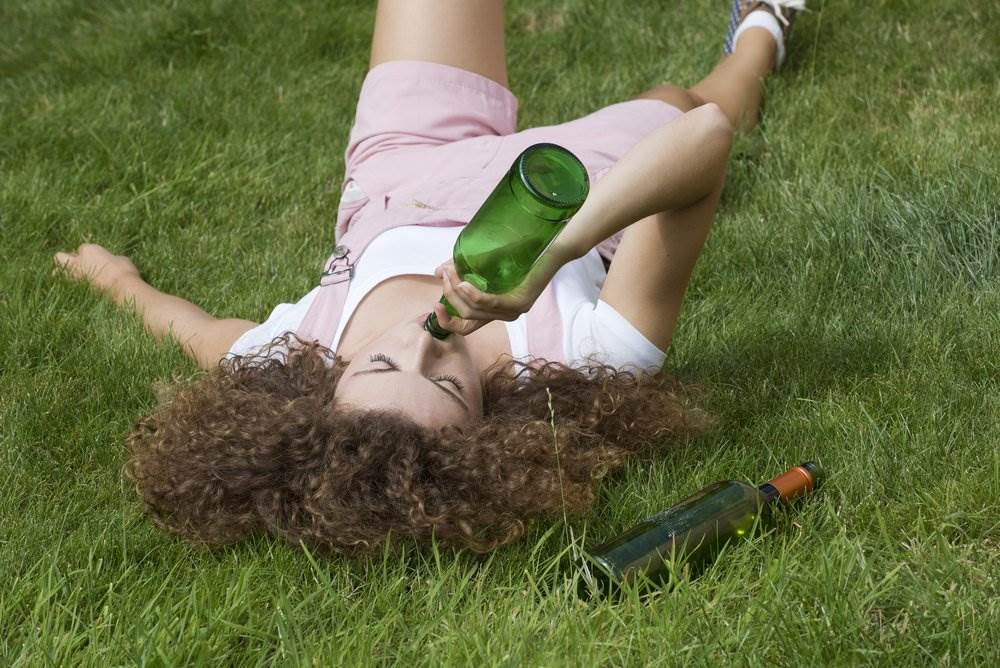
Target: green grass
x=847 y=308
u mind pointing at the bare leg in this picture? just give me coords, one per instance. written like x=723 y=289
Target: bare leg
x=666 y=246
x=461 y=33
x=734 y=84
x=672 y=95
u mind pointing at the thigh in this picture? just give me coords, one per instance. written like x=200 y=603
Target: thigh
x=461 y=33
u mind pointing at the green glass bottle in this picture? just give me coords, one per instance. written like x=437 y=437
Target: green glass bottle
x=693 y=531
x=540 y=192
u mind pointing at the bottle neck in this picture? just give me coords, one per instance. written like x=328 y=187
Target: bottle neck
x=791 y=484
x=434 y=329
x=768 y=492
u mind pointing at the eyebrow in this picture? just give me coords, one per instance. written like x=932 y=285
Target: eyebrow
x=454 y=397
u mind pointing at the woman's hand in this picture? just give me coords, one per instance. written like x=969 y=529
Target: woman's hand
x=98 y=266
x=476 y=308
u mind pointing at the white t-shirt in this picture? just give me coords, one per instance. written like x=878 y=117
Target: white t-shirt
x=592 y=329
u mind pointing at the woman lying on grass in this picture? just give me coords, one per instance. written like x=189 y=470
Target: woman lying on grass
x=339 y=421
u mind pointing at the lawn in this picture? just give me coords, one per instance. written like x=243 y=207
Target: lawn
x=846 y=309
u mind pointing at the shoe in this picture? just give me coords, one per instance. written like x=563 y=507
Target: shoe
x=783 y=10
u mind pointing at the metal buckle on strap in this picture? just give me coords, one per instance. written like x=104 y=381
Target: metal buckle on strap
x=340 y=269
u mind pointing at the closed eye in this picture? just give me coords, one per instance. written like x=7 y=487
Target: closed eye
x=450 y=379
x=438 y=381
x=380 y=357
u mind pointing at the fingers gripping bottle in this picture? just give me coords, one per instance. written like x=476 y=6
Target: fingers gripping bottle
x=694 y=530
x=540 y=192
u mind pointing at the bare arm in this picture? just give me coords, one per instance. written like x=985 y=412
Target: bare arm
x=204 y=338
x=672 y=169
x=657 y=255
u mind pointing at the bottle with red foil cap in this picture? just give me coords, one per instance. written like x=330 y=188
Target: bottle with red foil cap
x=693 y=531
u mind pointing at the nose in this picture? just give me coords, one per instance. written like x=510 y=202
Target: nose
x=429 y=349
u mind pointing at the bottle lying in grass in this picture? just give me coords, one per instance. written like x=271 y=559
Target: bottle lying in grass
x=693 y=531
x=540 y=192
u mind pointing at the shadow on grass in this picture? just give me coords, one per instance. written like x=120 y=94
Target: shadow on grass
x=757 y=376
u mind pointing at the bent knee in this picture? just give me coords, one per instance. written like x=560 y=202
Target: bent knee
x=714 y=132
x=715 y=118
x=672 y=95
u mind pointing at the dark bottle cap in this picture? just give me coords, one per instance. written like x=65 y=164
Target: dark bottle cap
x=816 y=470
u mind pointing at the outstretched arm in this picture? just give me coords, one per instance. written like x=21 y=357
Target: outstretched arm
x=204 y=338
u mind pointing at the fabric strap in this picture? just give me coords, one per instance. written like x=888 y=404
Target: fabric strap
x=544 y=322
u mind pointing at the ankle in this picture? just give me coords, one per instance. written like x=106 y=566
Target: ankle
x=757 y=50
x=774 y=16
x=762 y=29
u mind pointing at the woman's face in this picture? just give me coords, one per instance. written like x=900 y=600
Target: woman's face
x=406 y=370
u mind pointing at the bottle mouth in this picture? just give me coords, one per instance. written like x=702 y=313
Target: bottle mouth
x=432 y=327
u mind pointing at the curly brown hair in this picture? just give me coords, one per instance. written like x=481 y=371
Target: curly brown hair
x=256 y=445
